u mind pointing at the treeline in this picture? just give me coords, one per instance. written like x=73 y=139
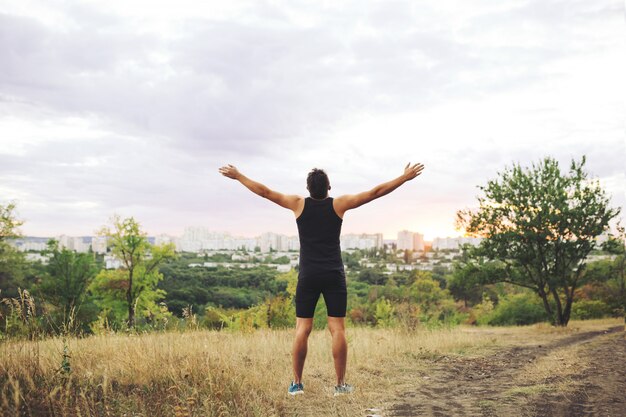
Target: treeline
x=230 y=288
x=539 y=227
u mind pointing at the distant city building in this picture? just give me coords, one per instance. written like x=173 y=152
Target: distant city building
x=418 y=241
x=197 y=239
x=405 y=240
x=26 y=244
x=362 y=241
x=99 y=244
x=111 y=262
x=80 y=244
x=163 y=239
x=37 y=257
x=269 y=241
x=408 y=240
x=454 y=243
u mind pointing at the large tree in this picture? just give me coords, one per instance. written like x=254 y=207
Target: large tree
x=541 y=223
x=140 y=260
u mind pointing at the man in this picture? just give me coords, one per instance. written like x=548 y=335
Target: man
x=319 y=218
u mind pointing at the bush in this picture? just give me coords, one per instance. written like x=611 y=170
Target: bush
x=590 y=309
x=214 y=318
x=384 y=313
x=516 y=309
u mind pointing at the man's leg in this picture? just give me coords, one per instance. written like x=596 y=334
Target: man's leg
x=337 y=328
x=300 y=343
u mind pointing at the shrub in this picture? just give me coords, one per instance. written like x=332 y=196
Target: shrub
x=214 y=318
x=384 y=313
x=589 y=309
x=516 y=309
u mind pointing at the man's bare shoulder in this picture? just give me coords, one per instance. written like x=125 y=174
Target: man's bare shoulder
x=343 y=203
x=299 y=205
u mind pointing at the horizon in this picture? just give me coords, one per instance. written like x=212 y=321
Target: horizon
x=24 y=236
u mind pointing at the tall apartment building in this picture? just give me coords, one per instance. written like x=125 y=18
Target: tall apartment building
x=99 y=244
x=454 y=242
x=418 y=241
x=408 y=240
x=362 y=241
x=79 y=244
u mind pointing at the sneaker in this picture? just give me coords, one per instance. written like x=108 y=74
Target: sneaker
x=343 y=389
x=295 y=389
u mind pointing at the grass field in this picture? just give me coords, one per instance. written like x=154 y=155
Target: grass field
x=210 y=373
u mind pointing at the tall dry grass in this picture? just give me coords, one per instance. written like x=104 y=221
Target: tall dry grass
x=207 y=373
x=211 y=373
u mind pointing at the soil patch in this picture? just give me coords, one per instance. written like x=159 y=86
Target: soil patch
x=482 y=386
x=602 y=385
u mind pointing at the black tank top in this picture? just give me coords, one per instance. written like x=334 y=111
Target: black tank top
x=319 y=228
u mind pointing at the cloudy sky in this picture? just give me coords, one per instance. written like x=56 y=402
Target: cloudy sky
x=130 y=107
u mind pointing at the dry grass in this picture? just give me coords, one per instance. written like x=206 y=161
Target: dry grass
x=209 y=373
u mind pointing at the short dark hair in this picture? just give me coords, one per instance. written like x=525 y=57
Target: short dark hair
x=317 y=183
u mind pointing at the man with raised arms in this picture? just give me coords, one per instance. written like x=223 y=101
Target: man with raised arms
x=319 y=218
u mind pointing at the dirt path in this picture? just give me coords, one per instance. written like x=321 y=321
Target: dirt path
x=482 y=386
x=603 y=386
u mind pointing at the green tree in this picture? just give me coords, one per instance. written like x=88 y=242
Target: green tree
x=12 y=263
x=541 y=223
x=9 y=223
x=374 y=276
x=140 y=260
x=65 y=284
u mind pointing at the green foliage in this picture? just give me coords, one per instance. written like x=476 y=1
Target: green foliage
x=616 y=245
x=281 y=312
x=373 y=276
x=14 y=270
x=514 y=309
x=135 y=285
x=12 y=263
x=277 y=311
x=9 y=223
x=352 y=260
x=215 y=318
x=281 y=260
x=320 y=318
x=384 y=313
x=64 y=286
x=542 y=224
x=225 y=287
x=590 y=309
x=249 y=319
x=482 y=312
x=110 y=288
x=65 y=367
x=436 y=304
x=470 y=278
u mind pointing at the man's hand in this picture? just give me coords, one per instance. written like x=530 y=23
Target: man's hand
x=230 y=171
x=411 y=172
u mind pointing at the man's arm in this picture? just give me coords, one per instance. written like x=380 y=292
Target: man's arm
x=348 y=202
x=290 y=202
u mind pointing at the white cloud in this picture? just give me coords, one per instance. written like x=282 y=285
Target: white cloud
x=131 y=106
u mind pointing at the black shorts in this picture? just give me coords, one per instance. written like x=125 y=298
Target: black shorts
x=331 y=284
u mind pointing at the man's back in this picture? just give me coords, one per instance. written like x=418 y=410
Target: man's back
x=319 y=228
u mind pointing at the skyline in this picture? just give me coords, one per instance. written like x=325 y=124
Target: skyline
x=130 y=107
x=198 y=240
x=228 y=234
